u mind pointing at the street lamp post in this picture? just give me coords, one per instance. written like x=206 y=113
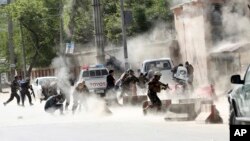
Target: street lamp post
x=10 y=45
x=124 y=37
x=98 y=25
x=23 y=52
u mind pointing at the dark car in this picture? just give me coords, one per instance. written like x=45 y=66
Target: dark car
x=239 y=99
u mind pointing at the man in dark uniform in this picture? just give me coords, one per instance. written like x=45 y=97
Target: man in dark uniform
x=190 y=71
x=54 y=103
x=110 y=89
x=110 y=81
x=129 y=83
x=142 y=80
x=25 y=86
x=154 y=87
x=14 y=87
x=122 y=84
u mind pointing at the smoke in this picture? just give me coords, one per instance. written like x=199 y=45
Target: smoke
x=62 y=72
x=93 y=105
x=235 y=33
x=151 y=45
x=236 y=21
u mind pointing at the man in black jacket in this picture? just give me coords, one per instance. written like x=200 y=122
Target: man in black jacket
x=154 y=87
x=14 y=87
x=110 y=81
x=110 y=89
x=25 y=86
x=54 y=103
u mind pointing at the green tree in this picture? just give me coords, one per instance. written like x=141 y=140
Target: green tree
x=79 y=18
x=79 y=21
x=112 y=21
x=3 y=42
x=145 y=14
x=40 y=22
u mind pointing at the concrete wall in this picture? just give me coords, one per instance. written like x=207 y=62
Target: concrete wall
x=137 y=53
x=191 y=34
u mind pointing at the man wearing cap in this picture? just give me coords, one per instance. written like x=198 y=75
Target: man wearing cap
x=14 y=87
x=129 y=83
x=154 y=87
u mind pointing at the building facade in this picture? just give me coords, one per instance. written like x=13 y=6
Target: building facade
x=198 y=25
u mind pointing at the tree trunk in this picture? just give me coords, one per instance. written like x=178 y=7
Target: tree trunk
x=37 y=46
x=1 y=90
x=11 y=45
x=32 y=64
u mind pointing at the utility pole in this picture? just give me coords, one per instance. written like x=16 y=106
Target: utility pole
x=98 y=25
x=11 y=46
x=23 y=51
x=124 y=37
x=61 y=51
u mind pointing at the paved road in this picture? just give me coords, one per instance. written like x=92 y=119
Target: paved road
x=126 y=123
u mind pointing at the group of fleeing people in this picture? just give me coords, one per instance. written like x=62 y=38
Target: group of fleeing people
x=126 y=85
x=24 y=88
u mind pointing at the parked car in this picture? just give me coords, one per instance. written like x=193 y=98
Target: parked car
x=164 y=65
x=239 y=99
x=40 y=83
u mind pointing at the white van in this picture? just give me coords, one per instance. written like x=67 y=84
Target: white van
x=164 y=65
x=94 y=77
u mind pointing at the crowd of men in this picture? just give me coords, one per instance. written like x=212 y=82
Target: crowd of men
x=126 y=85
x=24 y=87
x=128 y=82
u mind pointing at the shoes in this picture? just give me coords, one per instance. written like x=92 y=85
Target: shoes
x=4 y=103
x=31 y=104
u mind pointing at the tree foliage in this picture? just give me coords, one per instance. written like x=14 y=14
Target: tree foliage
x=40 y=21
x=78 y=21
x=145 y=14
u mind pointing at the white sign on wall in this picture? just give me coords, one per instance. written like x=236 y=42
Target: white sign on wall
x=70 y=47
